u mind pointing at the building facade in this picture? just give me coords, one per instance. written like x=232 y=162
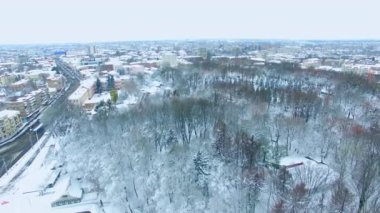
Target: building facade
x=10 y=121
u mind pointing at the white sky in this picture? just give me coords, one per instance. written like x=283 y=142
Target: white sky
x=48 y=21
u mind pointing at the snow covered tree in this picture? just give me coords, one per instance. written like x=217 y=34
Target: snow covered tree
x=253 y=180
x=222 y=140
x=298 y=198
x=114 y=95
x=98 y=86
x=172 y=139
x=201 y=166
x=110 y=83
x=279 y=207
x=341 y=197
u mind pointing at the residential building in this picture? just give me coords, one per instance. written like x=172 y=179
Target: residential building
x=36 y=75
x=169 y=60
x=28 y=103
x=56 y=82
x=9 y=122
x=310 y=63
x=135 y=69
x=80 y=95
x=91 y=50
x=7 y=79
x=84 y=92
x=17 y=105
x=20 y=85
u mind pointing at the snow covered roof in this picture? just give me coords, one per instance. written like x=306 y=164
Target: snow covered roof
x=20 y=82
x=55 y=77
x=37 y=72
x=88 y=83
x=78 y=93
x=97 y=98
x=52 y=90
x=8 y=113
x=114 y=61
x=257 y=59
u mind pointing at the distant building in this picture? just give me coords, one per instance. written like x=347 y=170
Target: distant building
x=18 y=105
x=310 y=63
x=79 y=96
x=95 y=100
x=91 y=61
x=28 y=103
x=20 y=85
x=22 y=59
x=7 y=79
x=9 y=122
x=40 y=96
x=169 y=60
x=55 y=81
x=203 y=52
x=84 y=92
x=60 y=52
x=106 y=67
x=135 y=69
x=35 y=75
x=91 y=50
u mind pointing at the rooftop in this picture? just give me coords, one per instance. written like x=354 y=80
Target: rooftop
x=8 y=113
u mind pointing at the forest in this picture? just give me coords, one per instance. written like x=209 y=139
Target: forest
x=220 y=138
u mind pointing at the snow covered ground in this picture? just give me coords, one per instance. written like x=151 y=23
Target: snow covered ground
x=303 y=168
x=24 y=187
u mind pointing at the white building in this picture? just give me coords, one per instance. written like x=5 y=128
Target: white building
x=169 y=60
x=91 y=50
x=310 y=63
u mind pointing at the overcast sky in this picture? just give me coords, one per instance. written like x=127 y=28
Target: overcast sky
x=50 y=21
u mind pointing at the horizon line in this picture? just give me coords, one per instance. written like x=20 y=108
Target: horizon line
x=192 y=39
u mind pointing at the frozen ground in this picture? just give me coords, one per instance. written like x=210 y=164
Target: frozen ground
x=23 y=188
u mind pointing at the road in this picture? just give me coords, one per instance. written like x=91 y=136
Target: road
x=10 y=153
